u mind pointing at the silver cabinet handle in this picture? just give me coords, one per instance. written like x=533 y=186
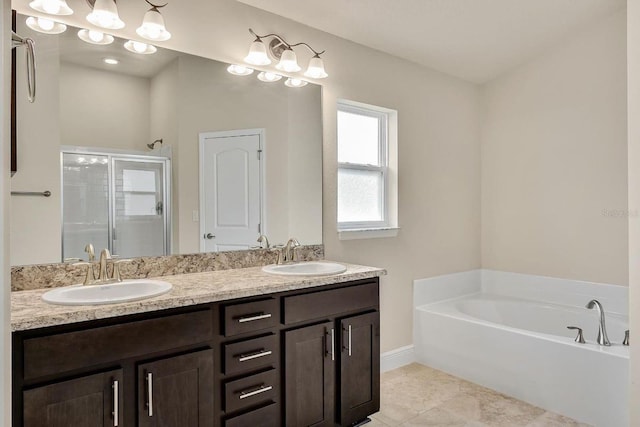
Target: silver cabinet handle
x=261 y=353
x=348 y=347
x=262 y=389
x=333 y=344
x=116 y=411
x=254 y=318
x=150 y=394
x=349 y=340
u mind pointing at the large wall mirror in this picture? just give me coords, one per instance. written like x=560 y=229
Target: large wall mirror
x=234 y=157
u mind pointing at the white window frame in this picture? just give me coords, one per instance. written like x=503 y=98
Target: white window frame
x=383 y=159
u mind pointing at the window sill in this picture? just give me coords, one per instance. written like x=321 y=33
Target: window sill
x=367 y=233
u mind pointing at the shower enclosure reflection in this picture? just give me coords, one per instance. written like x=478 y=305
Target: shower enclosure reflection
x=115 y=201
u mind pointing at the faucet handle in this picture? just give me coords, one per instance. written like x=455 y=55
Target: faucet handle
x=90 y=250
x=626 y=338
x=279 y=249
x=580 y=338
x=115 y=272
x=90 y=275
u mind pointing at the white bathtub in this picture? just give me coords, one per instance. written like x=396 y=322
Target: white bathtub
x=478 y=326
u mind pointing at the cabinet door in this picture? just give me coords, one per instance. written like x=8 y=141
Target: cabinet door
x=309 y=374
x=177 y=391
x=359 y=367
x=91 y=401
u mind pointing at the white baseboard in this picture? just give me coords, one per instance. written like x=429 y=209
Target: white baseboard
x=396 y=358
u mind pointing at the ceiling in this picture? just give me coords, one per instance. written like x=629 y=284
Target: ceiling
x=475 y=40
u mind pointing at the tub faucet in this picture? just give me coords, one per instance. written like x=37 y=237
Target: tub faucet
x=603 y=339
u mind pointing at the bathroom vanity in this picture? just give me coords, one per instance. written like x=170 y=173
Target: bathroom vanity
x=225 y=348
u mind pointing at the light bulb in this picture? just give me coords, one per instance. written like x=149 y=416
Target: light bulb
x=288 y=62
x=292 y=82
x=269 y=77
x=239 y=70
x=51 y=6
x=96 y=36
x=153 y=27
x=105 y=15
x=140 y=47
x=111 y=61
x=316 y=68
x=45 y=24
x=257 y=54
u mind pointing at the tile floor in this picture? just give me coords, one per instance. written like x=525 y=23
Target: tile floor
x=416 y=395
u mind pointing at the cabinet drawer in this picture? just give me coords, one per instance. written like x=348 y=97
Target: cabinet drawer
x=250 y=354
x=263 y=417
x=251 y=316
x=250 y=391
x=320 y=304
x=64 y=352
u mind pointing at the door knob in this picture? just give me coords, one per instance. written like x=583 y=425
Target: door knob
x=209 y=236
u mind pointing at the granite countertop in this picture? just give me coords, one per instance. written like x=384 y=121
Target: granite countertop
x=28 y=311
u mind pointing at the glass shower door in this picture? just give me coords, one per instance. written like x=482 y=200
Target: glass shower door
x=85 y=203
x=139 y=197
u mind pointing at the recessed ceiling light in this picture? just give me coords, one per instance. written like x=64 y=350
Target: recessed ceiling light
x=111 y=61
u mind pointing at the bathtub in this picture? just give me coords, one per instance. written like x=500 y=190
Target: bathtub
x=508 y=332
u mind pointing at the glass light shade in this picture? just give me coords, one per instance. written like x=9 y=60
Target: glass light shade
x=316 y=69
x=239 y=70
x=152 y=27
x=105 y=15
x=46 y=26
x=257 y=54
x=288 y=62
x=95 y=37
x=52 y=7
x=268 y=77
x=291 y=82
x=139 y=47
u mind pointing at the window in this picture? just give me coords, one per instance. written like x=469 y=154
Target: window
x=364 y=190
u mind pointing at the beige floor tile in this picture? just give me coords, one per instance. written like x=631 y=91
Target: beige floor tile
x=436 y=417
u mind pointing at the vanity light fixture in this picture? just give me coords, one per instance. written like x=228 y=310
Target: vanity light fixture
x=153 y=27
x=95 y=37
x=268 y=77
x=283 y=52
x=105 y=15
x=111 y=61
x=52 y=7
x=239 y=70
x=292 y=82
x=46 y=26
x=139 y=47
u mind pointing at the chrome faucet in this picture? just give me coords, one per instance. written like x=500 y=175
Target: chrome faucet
x=603 y=339
x=289 y=254
x=104 y=257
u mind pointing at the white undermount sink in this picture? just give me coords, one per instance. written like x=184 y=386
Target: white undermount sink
x=309 y=268
x=127 y=290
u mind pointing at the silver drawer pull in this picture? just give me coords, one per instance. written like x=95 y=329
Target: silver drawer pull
x=150 y=394
x=116 y=411
x=261 y=353
x=262 y=389
x=254 y=318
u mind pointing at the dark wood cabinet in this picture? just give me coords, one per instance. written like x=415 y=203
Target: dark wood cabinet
x=309 y=375
x=359 y=367
x=308 y=357
x=177 y=391
x=332 y=368
x=89 y=401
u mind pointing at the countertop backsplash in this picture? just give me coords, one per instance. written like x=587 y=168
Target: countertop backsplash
x=39 y=276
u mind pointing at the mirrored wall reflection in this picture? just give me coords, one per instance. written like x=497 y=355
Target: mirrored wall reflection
x=117 y=202
x=167 y=96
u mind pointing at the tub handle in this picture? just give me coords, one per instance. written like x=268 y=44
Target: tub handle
x=626 y=338
x=580 y=337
